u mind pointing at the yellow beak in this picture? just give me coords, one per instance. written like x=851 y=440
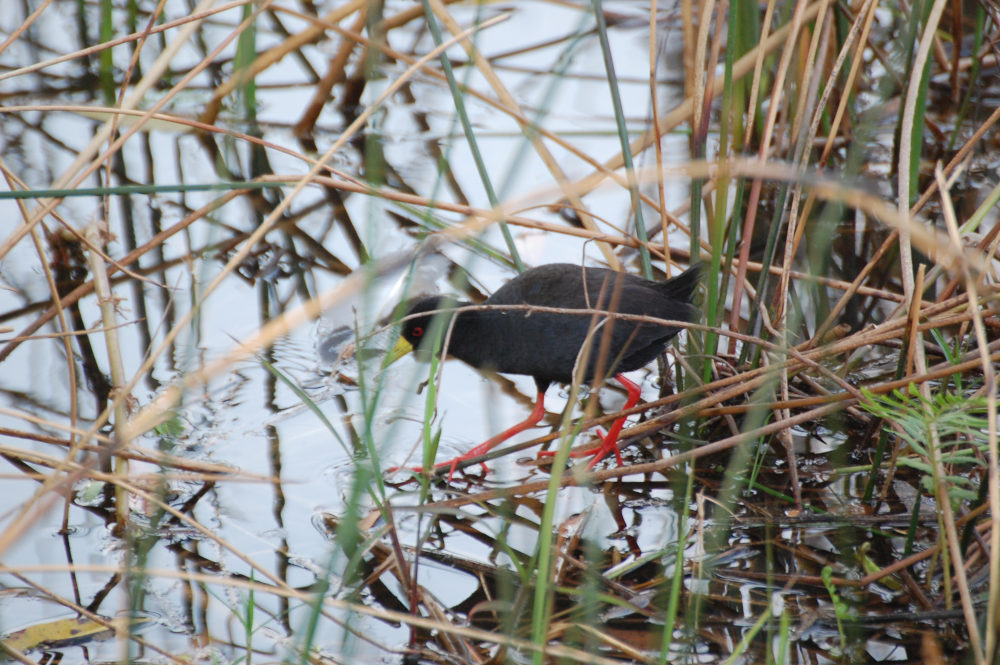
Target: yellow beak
x=401 y=348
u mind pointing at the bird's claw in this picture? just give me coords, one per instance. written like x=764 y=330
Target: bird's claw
x=598 y=451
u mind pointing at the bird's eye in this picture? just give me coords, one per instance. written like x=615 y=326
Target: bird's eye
x=417 y=331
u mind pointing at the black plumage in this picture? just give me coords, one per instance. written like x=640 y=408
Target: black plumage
x=544 y=344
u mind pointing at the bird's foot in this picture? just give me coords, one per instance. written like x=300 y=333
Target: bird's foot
x=609 y=442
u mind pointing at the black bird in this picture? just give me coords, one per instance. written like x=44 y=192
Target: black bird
x=508 y=337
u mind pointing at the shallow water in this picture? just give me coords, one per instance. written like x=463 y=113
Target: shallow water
x=269 y=481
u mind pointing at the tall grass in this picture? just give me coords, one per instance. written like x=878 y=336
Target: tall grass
x=844 y=367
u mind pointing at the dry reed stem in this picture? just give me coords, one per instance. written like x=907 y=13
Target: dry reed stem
x=27 y=23
x=903 y=165
x=363 y=609
x=698 y=88
x=195 y=469
x=982 y=652
x=654 y=99
x=86 y=163
x=97 y=48
x=79 y=471
x=807 y=104
x=108 y=306
x=684 y=110
x=890 y=242
x=335 y=73
x=510 y=106
x=990 y=387
x=274 y=55
x=858 y=26
x=798 y=20
x=87 y=287
x=64 y=325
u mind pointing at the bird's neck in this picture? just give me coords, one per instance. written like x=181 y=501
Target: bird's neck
x=466 y=334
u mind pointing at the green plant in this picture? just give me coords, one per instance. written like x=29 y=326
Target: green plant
x=958 y=423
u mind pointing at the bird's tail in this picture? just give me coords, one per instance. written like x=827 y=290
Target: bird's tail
x=683 y=285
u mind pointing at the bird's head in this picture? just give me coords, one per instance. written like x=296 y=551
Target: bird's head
x=420 y=320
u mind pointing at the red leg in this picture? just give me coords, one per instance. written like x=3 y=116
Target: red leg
x=536 y=415
x=609 y=441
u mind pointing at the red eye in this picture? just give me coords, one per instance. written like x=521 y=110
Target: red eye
x=417 y=331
